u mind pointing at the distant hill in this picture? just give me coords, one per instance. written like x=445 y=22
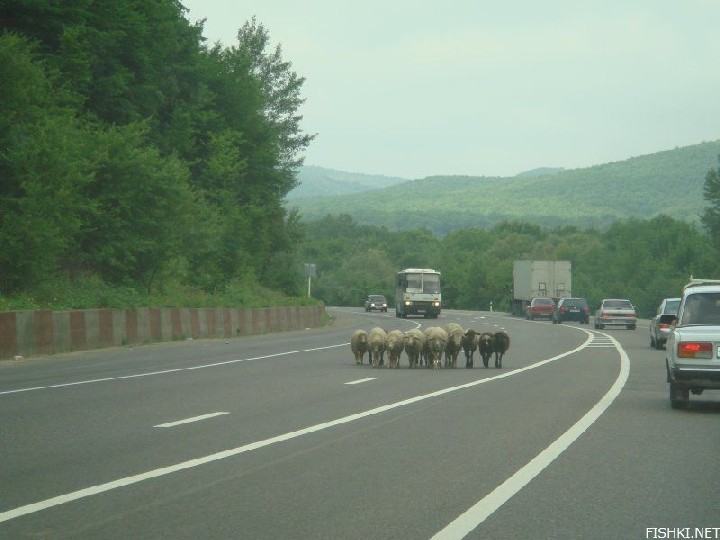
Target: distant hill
x=668 y=182
x=319 y=181
x=541 y=171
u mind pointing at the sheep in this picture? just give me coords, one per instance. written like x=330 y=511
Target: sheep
x=414 y=342
x=359 y=345
x=454 y=343
x=437 y=340
x=469 y=345
x=376 y=344
x=486 y=346
x=501 y=343
x=394 y=346
x=425 y=356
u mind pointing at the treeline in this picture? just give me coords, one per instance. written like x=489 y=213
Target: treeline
x=140 y=160
x=644 y=260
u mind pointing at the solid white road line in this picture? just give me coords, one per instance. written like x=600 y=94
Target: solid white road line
x=22 y=390
x=193 y=419
x=150 y=373
x=156 y=473
x=81 y=382
x=328 y=347
x=362 y=380
x=243 y=360
x=480 y=511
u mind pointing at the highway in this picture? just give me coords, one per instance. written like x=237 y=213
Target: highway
x=282 y=436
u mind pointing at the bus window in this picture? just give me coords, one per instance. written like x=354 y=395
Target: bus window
x=431 y=283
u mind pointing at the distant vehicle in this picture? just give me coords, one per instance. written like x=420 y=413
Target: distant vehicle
x=376 y=302
x=616 y=312
x=534 y=279
x=693 y=346
x=572 y=309
x=540 y=308
x=660 y=324
x=417 y=292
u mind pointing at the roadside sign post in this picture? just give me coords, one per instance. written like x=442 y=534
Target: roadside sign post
x=310 y=272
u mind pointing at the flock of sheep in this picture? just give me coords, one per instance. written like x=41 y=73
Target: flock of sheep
x=426 y=348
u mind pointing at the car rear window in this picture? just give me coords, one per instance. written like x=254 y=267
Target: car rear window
x=617 y=304
x=671 y=307
x=574 y=302
x=702 y=308
x=543 y=302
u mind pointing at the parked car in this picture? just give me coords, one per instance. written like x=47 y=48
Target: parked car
x=616 y=312
x=693 y=346
x=376 y=302
x=572 y=309
x=540 y=307
x=661 y=323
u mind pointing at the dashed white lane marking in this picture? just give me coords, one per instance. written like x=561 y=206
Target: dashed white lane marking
x=22 y=390
x=81 y=382
x=164 y=471
x=241 y=360
x=150 y=373
x=362 y=380
x=190 y=420
x=480 y=511
x=328 y=347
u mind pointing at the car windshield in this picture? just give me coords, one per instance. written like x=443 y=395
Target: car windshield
x=617 y=304
x=377 y=298
x=671 y=307
x=701 y=308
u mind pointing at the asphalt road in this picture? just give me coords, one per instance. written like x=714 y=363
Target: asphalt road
x=263 y=437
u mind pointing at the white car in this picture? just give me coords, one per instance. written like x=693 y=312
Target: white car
x=616 y=312
x=693 y=345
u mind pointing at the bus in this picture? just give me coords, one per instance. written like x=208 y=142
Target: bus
x=417 y=292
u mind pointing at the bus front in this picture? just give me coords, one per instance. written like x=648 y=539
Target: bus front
x=418 y=293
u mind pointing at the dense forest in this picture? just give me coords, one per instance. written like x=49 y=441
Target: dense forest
x=644 y=260
x=663 y=183
x=140 y=164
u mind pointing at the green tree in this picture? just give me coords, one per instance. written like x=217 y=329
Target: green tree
x=711 y=215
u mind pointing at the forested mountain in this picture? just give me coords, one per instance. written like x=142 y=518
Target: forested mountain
x=541 y=171
x=136 y=157
x=316 y=181
x=669 y=182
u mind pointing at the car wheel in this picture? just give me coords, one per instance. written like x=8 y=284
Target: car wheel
x=601 y=326
x=679 y=396
x=653 y=345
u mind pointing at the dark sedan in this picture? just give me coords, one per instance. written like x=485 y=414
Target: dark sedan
x=572 y=309
x=661 y=323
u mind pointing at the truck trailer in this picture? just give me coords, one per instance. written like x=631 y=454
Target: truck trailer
x=531 y=279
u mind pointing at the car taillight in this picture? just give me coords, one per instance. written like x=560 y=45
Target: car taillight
x=663 y=326
x=563 y=309
x=586 y=309
x=694 y=349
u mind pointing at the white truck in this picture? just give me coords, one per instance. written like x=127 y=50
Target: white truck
x=532 y=279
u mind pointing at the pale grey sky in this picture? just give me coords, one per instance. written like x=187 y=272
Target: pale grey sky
x=414 y=88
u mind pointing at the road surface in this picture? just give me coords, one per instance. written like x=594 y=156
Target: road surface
x=283 y=436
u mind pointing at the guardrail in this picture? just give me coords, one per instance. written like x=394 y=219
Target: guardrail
x=44 y=332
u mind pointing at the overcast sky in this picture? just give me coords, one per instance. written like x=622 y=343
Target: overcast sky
x=413 y=88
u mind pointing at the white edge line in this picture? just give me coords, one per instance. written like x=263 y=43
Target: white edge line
x=485 y=507
x=22 y=390
x=190 y=420
x=163 y=471
x=328 y=347
x=242 y=360
x=81 y=382
x=361 y=380
x=150 y=373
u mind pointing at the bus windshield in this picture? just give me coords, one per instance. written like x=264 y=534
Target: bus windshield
x=431 y=283
x=414 y=281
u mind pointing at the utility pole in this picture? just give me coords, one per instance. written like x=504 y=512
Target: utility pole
x=310 y=272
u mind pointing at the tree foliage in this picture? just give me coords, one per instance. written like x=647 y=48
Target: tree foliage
x=134 y=153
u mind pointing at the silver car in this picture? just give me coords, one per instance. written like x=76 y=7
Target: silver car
x=616 y=312
x=693 y=346
x=661 y=323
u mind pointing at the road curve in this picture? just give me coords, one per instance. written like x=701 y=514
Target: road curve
x=283 y=436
